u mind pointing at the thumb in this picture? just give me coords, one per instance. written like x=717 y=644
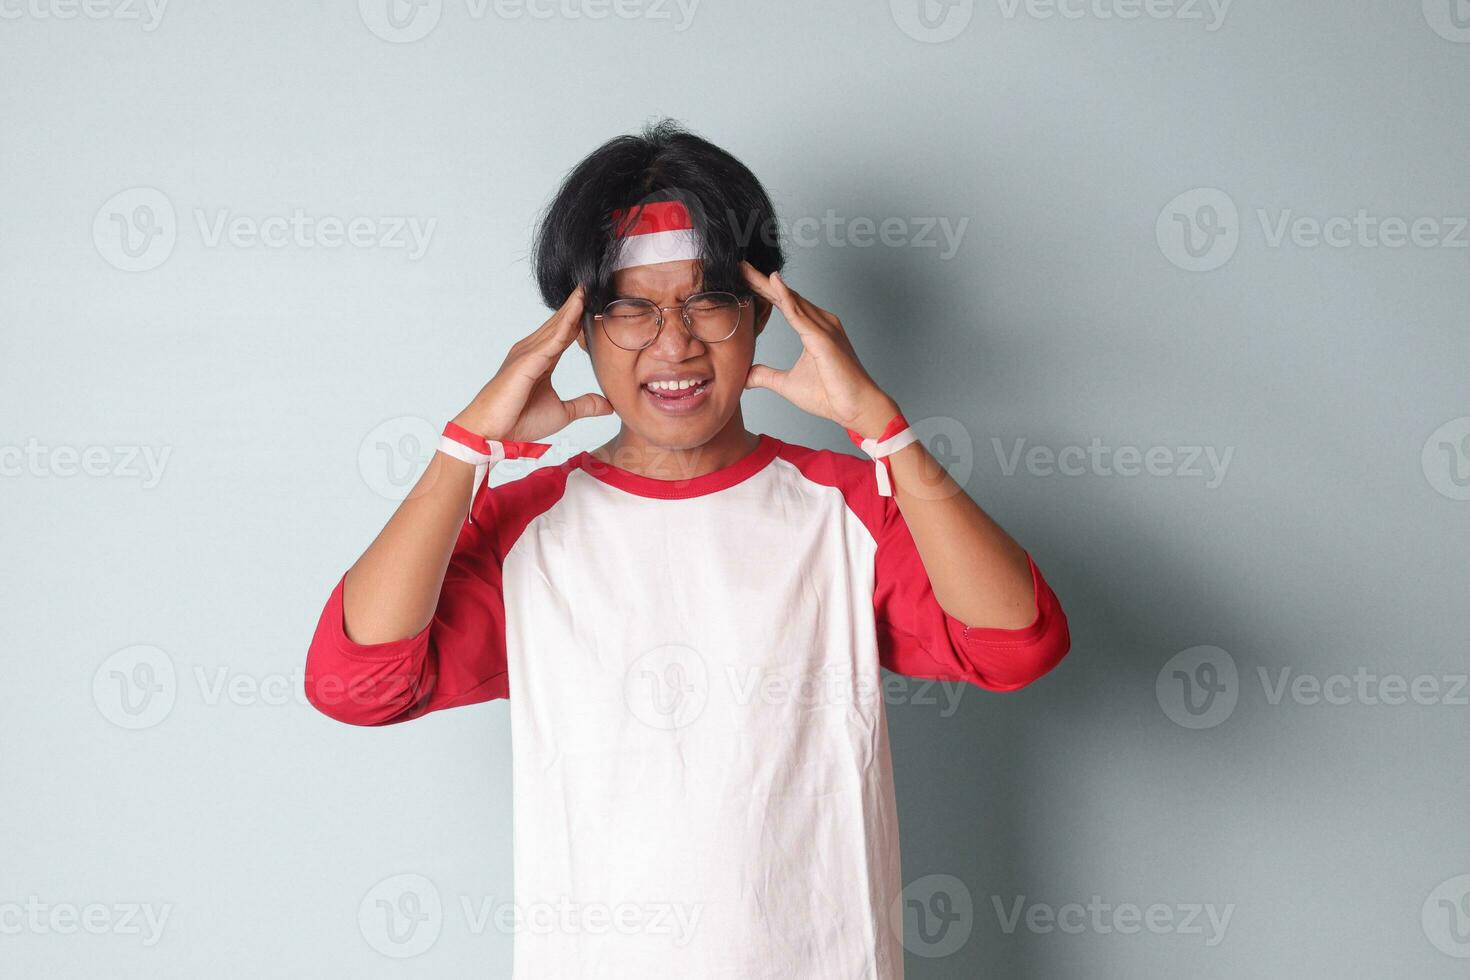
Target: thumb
x=587 y=406
x=765 y=376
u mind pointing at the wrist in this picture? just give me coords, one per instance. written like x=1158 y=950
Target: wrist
x=465 y=444
x=479 y=426
x=871 y=420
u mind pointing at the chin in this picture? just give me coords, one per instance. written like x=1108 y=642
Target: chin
x=682 y=434
x=673 y=431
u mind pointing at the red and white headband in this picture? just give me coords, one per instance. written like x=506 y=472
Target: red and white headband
x=651 y=233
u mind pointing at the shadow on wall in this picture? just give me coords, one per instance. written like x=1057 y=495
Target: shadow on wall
x=986 y=788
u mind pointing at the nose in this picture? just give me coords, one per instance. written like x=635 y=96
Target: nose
x=675 y=342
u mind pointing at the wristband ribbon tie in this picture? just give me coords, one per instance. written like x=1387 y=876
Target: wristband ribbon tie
x=896 y=434
x=464 y=445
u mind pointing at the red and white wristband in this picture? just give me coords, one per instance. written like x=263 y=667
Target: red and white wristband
x=895 y=435
x=464 y=445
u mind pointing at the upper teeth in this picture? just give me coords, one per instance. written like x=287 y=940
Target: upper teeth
x=675 y=385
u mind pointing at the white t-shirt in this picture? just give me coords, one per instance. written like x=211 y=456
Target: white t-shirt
x=702 y=784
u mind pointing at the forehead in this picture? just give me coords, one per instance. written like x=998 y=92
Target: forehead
x=663 y=280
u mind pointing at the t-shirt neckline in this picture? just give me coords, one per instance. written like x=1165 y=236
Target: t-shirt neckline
x=646 y=486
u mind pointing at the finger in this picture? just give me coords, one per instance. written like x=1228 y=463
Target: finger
x=765 y=376
x=559 y=314
x=538 y=354
x=773 y=289
x=547 y=339
x=813 y=312
x=568 y=319
x=586 y=406
x=759 y=282
x=817 y=320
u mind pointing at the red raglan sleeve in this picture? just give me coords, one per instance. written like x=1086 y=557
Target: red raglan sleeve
x=457 y=659
x=916 y=637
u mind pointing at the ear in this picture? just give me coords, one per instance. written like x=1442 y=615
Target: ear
x=582 y=338
x=762 y=314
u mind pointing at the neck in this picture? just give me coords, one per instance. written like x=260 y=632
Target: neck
x=630 y=451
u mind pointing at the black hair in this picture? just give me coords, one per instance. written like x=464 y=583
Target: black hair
x=728 y=207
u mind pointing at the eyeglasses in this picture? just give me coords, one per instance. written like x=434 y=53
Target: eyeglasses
x=634 y=324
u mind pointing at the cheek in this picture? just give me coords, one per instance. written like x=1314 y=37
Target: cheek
x=732 y=362
x=614 y=367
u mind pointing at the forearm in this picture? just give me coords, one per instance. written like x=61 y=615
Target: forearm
x=979 y=573
x=391 y=591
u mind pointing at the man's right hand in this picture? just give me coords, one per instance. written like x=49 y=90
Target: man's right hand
x=519 y=404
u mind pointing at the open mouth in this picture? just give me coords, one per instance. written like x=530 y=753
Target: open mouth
x=677 y=395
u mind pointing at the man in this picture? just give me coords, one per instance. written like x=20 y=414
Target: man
x=690 y=620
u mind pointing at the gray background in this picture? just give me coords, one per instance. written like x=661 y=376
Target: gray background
x=292 y=388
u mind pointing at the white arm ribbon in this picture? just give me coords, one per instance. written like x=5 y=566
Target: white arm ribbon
x=481 y=461
x=877 y=450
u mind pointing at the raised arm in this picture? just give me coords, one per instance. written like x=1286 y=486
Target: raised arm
x=413 y=624
x=957 y=597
